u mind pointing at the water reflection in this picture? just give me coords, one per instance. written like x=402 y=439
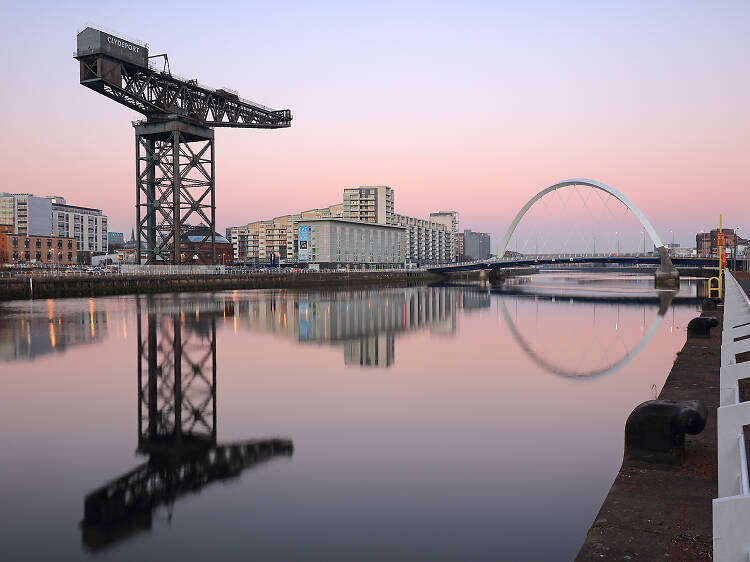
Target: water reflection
x=364 y=322
x=176 y=424
x=27 y=335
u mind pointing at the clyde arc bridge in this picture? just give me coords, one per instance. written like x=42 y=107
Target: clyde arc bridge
x=666 y=272
x=174 y=145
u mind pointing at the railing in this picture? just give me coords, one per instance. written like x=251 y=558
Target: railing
x=731 y=509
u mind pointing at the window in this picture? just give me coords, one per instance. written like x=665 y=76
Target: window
x=38 y=243
x=26 y=243
x=70 y=245
x=38 y=256
x=59 y=244
x=15 y=242
x=70 y=256
x=49 y=243
x=26 y=256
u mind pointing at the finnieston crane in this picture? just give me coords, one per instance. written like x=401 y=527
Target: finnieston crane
x=174 y=144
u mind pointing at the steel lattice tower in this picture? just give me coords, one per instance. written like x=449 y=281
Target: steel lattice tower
x=174 y=145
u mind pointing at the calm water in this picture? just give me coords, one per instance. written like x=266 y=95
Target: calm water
x=428 y=423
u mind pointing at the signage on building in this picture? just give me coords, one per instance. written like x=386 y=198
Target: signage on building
x=720 y=239
x=303 y=238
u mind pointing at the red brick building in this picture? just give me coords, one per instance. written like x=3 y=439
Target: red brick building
x=19 y=248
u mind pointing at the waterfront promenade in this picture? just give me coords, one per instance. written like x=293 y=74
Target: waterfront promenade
x=658 y=513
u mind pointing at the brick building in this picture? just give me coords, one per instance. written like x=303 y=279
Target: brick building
x=23 y=249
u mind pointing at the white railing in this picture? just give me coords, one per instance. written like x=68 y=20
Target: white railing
x=731 y=510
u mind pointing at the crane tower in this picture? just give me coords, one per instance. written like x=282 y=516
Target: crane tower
x=174 y=144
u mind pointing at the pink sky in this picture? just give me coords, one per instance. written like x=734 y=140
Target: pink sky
x=471 y=107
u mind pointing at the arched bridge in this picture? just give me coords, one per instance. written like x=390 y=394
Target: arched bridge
x=666 y=271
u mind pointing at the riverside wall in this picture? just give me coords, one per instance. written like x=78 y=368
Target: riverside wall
x=24 y=287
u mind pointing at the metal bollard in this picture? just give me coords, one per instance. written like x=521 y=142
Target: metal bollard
x=700 y=327
x=655 y=430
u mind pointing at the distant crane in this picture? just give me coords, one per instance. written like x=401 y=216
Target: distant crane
x=174 y=145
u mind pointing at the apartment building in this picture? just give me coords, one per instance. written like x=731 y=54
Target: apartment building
x=26 y=213
x=275 y=240
x=86 y=225
x=426 y=241
x=369 y=203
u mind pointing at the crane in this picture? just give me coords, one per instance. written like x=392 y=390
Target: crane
x=174 y=144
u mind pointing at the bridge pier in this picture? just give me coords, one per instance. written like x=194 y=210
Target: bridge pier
x=666 y=275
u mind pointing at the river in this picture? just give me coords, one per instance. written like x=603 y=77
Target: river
x=419 y=423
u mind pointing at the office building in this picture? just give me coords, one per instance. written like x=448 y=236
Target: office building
x=339 y=242
x=369 y=203
x=476 y=245
x=115 y=240
x=28 y=249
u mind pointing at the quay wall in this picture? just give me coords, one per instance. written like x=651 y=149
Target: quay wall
x=654 y=512
x=24 y=287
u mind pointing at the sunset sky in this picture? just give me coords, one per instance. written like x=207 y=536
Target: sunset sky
x=470 y=106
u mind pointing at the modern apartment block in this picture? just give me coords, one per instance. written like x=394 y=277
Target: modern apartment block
x=51 y=216
x=28 y=214
x=276 y=239
x=426 y=241
x=369 y=203
x=449 y=219
x=86 y=225
x=433 y=240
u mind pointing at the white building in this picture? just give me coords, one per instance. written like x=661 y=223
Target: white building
x=340 y=242
x=87 y=226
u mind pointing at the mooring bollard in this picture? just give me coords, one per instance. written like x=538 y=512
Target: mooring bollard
x=655 y=430
x=700 y=327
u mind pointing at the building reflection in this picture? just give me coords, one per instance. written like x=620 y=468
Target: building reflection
x=26 y=336
x=176 y=424
x=365 y=323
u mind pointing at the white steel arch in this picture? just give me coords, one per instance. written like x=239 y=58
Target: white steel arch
x=590 y=183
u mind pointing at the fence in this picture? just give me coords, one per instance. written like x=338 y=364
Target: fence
x=731 y=510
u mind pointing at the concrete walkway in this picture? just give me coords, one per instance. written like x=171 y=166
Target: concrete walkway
x=657 y=513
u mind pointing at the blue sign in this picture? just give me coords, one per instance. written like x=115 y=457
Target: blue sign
x=303 y=240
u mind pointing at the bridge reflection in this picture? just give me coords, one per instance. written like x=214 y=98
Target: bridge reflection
x=176 y=425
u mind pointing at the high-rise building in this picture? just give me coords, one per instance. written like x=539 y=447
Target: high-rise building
x=369 y=203
x=28 y=214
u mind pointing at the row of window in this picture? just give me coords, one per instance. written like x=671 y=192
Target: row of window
x=38 y=256
x=38 y=243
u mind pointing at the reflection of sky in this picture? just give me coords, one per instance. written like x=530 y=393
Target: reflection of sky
x=463 y=448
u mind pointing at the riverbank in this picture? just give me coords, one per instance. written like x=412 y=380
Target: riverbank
x=658 y=513
x=25 y=287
